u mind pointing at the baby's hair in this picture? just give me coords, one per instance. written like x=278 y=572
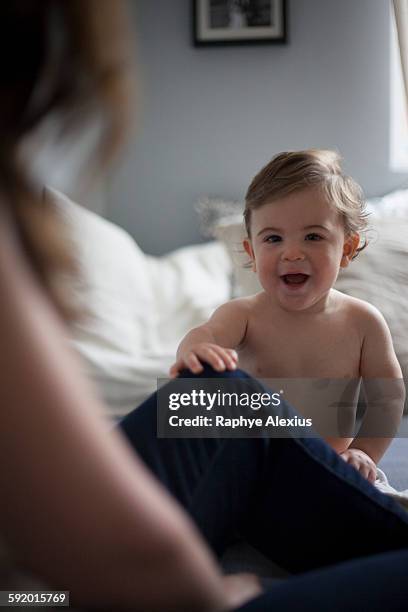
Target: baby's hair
x=296 y=170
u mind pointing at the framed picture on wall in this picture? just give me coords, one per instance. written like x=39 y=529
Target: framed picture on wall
x=237 y=22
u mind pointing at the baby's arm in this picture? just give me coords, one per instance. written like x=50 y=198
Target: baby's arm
x=214 y=342
x=385 y=395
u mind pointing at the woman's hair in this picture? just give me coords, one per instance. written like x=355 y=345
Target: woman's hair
x=296 y=170
x=67 y=59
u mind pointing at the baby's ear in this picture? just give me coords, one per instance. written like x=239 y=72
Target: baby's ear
x=349 y=249
x=250 y=251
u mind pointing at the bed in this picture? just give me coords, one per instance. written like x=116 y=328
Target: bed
x=140 y=306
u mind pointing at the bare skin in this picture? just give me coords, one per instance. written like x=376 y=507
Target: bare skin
x=68 y=480
x=297 y=247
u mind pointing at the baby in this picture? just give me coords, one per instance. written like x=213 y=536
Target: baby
x=304 y=219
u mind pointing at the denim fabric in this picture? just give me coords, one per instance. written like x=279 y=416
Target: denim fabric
x=371 y=584
x=296 y=501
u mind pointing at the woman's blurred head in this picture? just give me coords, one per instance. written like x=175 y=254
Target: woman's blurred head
x=63 y=63
x=67 y=57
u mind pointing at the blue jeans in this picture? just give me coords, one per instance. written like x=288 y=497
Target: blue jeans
x=296 y=501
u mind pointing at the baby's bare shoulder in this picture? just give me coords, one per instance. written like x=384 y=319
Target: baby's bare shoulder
x=229 y=313
x=359 y=311
x=237 y=312
x=230 y=320
x=243 y=304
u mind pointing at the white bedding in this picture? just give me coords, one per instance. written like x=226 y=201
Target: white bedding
x=141 y=305
x=384 y=486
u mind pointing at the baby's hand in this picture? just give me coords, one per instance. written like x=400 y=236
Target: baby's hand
x=205 y=352
x=362 y=462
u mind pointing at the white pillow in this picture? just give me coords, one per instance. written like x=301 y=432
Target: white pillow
x=394 y=204
x=379 y=275
x=223 y=220
x=231 y=231
x=141 y=306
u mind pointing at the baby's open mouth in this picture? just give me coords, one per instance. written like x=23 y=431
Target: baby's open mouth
x=294 y=279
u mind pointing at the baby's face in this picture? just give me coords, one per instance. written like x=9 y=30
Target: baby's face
x=297 y=247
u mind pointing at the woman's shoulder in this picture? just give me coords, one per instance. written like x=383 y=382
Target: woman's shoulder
x=10 y=249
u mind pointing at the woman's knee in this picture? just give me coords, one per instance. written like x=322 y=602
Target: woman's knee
x=209 y=372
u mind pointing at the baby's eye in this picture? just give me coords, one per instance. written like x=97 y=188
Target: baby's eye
x=313 y=236
x=272 y=238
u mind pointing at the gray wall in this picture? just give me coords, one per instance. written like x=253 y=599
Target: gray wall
x=211 y=117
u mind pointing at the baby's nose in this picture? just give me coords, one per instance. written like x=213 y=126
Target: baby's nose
x=293 y=253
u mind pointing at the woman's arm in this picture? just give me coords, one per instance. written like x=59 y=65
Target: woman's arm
x=78 y=508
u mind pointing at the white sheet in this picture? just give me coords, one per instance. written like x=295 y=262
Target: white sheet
x=141 y=305
x=384 y=486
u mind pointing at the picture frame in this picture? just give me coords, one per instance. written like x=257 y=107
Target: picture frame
x=239 y=22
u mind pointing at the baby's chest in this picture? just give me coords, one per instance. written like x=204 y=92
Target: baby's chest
x=324 y=351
